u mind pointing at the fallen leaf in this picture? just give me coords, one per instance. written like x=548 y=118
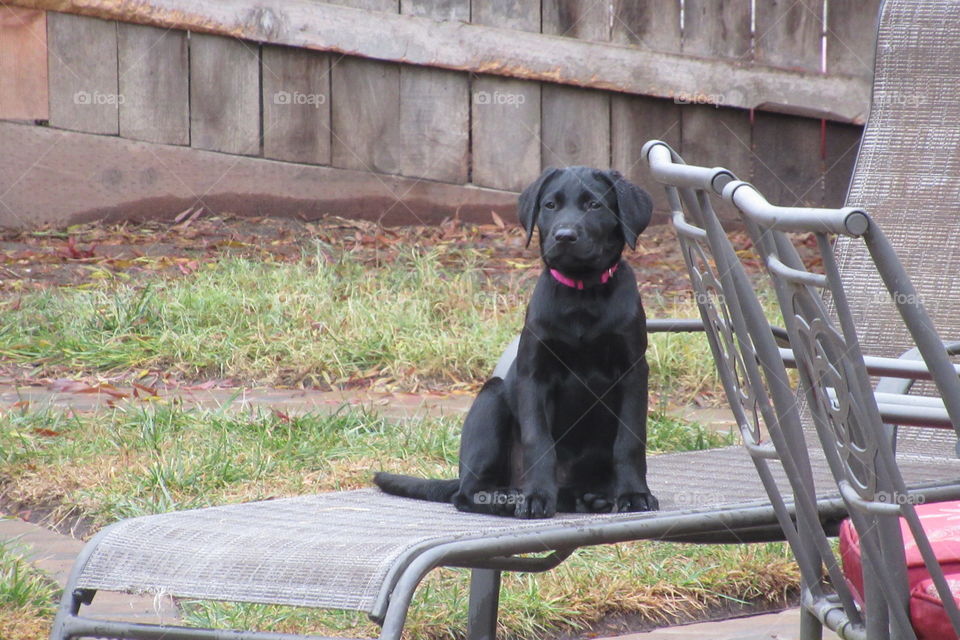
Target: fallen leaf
x=182 y=215
x=65 y=385
x=203 y=386
x=148 y=390
x=73 y=252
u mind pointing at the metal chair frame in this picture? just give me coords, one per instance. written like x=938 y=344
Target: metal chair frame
x=839 y=392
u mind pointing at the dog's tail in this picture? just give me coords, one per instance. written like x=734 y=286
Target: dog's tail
x=419 y=488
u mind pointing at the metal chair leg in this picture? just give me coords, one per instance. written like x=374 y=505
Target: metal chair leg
x=810 y=626
x=484 y=602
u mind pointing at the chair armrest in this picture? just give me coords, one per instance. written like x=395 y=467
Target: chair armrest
x=893 y=370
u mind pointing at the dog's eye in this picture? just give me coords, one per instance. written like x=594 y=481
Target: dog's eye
x=594 y=204
x=550 y=205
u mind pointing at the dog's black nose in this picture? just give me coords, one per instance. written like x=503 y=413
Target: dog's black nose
x=565 y=234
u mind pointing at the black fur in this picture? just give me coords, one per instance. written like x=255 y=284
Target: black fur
x=565 y=428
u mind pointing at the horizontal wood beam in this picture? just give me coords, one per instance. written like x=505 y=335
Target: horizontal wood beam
x=56 y=177
x=481 y=49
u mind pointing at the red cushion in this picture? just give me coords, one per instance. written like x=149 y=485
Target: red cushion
x=927 y=614
x=941 y=522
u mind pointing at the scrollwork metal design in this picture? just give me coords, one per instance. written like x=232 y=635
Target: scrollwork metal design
x=823 y=356
x=714 y=304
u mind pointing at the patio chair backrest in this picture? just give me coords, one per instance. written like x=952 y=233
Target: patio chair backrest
x=750 y=367
x=908 y=170
x=838 y=388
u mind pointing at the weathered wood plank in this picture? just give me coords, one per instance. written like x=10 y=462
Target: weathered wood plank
x=224 y=94
x=842 y=143
x=577 y=19
x=576 y=122
x=296 y=104
x=434 y=116
x=633 y=121
x=82 y=63
x=852 y=37
x=480 y=49
x=434 y=124
x=789 y=34
x=155 y=84
x=365 y=114
x=787 y=166
x=94 y=177
x=505 y=113
x=717 y=28
x=23 y=64
x=506 y=132
x=653 y=24
x=576 y=127
x=717 y=137
x=522 y=15
x=710 y=136
x=456 y=10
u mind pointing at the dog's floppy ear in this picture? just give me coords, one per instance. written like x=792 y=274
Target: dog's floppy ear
x=634 y=207
x=529 y=204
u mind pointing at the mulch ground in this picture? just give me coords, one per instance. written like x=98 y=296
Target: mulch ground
x=75 y=256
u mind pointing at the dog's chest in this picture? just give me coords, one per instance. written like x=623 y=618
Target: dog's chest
x=589 y=367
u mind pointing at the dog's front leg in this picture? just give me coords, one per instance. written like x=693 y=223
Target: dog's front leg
x=630 y=491
x=538 y=482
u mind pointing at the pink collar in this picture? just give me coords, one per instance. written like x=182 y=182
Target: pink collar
x=583 y=284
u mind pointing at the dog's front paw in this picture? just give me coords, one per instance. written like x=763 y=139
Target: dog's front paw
x=537 y=504
x=589 y=502
x=637 y=501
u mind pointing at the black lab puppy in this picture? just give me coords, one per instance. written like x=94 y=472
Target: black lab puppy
x=565 y=428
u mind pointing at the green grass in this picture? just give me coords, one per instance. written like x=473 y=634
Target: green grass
x=26 y=596
x=311 y=322
x=319 y=321
x=161 y=457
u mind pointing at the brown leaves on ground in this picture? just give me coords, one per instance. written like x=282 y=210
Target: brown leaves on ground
x=43 y=258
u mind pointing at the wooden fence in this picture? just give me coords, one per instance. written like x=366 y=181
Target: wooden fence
x=406 y=110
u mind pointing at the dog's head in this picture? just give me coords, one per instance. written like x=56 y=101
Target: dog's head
x=583 y=216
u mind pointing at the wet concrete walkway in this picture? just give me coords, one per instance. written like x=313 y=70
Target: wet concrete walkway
x=291 y=401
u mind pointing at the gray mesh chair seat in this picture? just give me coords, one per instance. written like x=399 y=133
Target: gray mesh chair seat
x=366 y=551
